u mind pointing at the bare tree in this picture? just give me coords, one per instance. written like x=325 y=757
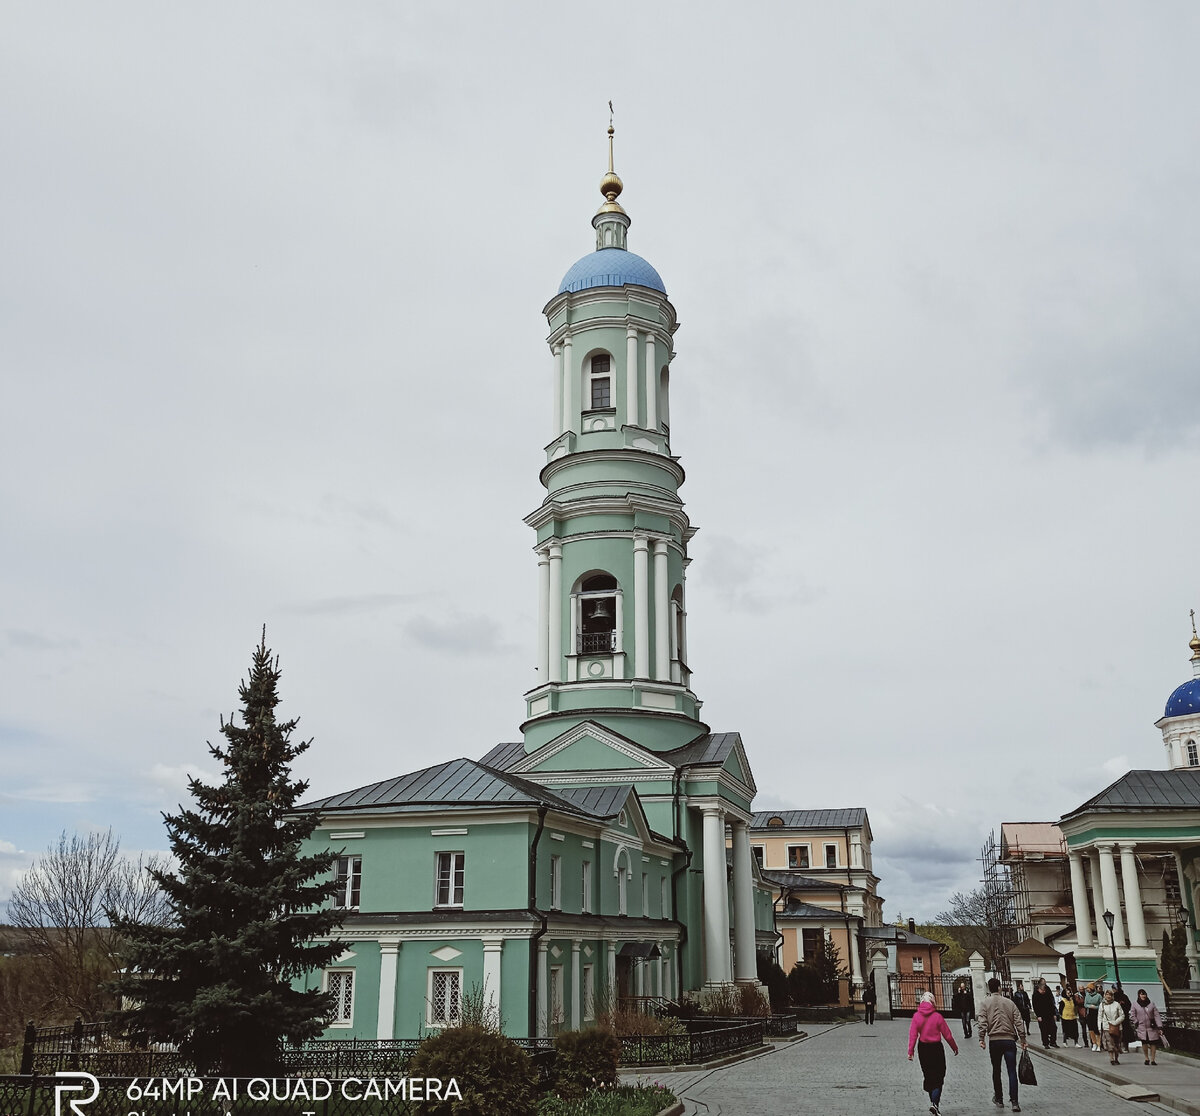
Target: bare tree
x=64 y=906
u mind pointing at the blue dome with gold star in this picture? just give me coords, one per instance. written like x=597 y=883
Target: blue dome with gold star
x=610 y=267
x=1184 y=699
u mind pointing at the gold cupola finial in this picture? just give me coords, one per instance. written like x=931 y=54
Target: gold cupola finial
x=610 y=185
x=1194 y=642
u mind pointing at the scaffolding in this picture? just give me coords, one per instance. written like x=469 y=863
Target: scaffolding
x=999 y=906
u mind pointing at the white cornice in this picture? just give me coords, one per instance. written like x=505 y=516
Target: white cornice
x=623 y=453
x=611 y=321
x=642 y=759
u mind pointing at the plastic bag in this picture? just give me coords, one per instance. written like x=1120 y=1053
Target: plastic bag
x=1025 y=1074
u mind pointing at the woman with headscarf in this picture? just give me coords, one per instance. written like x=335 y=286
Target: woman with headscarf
x=925 y=1034
x=1146 y=1019
x=1091 y=1004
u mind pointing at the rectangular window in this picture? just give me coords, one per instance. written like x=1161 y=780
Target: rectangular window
x=557 y=1014
x=601 y=393
x=797 y=856
x=445 y=997
x=664 y=897
x=645 y=895
x=1193 y=757
x=831 y=856
x=340 y=982
x=349 y=882
x=918 y=965
x=622 y=890
x=586 y=904
x=556 y=883
x=812 y=943
x=449 y=890
x=760 y=852
x=589 y=992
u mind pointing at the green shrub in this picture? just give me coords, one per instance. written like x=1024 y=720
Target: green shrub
x=585 y=1060
x=770 y=974
x=493 y=1073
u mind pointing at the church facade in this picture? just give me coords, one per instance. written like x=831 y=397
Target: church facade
x=587 y=861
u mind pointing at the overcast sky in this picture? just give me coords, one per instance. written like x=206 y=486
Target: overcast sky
x=272 y=352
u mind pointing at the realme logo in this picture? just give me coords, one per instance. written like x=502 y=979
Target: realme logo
x=82 y=1080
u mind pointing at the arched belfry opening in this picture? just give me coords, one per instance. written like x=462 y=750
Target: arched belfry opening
x=598 y=614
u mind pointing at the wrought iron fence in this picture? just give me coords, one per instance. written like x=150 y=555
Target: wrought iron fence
x=701 y=1044
x=907 y=988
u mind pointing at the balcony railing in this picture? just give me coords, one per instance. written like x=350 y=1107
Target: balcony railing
x=597 y=643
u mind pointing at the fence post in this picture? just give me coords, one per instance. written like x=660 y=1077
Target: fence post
x=32 y=1092
x=27 y=1048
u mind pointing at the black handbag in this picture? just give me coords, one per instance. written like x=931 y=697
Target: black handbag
x=1025 y=1074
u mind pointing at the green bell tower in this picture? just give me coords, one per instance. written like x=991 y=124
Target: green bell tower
x=612 y=535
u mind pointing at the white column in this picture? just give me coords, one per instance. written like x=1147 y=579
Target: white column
x=619 y=633
x=662 y=971
x=1133 y=896
x=1112 y=897
x=641 y=607
x=543 y=989
x=651 y=381
x=554 y=641
x=716 y=899
x=1187 y=897
x=492 y=951
x=856 y=860
x=543 y=643
x=745 y=966
x=612 y=976
x=385 y=1027
x=639 y=976
x=576 y=985
x=662 y=614
x=631 y=377
x=558 y=392
x=1102 y=937
x=852 y=945
x=676 y=672
x=1083 y=921
x=570 y=416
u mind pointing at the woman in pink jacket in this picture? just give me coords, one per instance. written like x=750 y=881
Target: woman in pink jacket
x=926 y=1034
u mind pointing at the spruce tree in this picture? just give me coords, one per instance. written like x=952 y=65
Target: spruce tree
x=246 y=906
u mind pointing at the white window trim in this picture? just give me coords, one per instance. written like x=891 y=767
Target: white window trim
x=557 y=996
x=622 y=891
x=798 y=845
x=556 y=882
x=586 y=886
x=645 y=895
x=325 y=988
x=429 y=1020
x=341 y=899
x=589 y=992
x=825 y=851
x=436 y=873
x=664 y=898
x=590 y=375
x=762 y=859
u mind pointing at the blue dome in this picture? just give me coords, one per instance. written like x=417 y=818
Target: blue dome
x=1185 y=699
x=610 y=267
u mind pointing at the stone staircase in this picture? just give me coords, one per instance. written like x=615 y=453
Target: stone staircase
x=1184 y=1002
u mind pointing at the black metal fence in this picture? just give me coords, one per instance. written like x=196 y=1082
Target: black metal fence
x=701 y=1045
x=906 y=990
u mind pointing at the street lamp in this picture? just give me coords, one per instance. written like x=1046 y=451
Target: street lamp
x=1183 y=915
x=1109 y=919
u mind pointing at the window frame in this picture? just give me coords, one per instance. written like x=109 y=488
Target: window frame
x=807 y=865
x=831 y=845
x=622 y=889
x=589 y=991
x=759 y=853
x=585 y=872
x=597 y=376
x=337 y=1020
x=555 y=882
x=556 y=997
x=664 y=898
x=459 y=857
x=1191 y=754
x=349 y=884
x=433 y=972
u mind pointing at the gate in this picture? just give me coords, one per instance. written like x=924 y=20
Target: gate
x=906 y=990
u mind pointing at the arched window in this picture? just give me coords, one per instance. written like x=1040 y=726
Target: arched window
x=599 y=385
x=1192 y=757
x=597 y=614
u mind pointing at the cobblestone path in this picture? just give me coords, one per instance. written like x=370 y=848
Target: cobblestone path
x=855 y=1070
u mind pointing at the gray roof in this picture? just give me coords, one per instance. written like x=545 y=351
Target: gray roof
x=807 y=910
x=810 y=819
x=460 y=782
x=889 y=934
x=797 y=881
x=601 y=802
x=504 y=756
x=712 y=748
x=1136 y=791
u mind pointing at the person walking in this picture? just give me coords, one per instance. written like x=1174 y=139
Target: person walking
x=1021 y=998
x=925 y=1034
x=1111 y=1017
x=963 y=1005
x=1001 y=1025
x=1043 y=1008
x=868 y=999
x=1148 y=1021
x=1069 y=1017
x=1092 y=1000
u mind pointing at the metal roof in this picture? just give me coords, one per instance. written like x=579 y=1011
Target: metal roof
x=889 y=934
x=796 y=881
x=1136 y=791
x=459 y=782
x=810 y=819
x=1031 y=947
x=808 y=910
x=504 y=756
x=711 y=748
x=602 y=802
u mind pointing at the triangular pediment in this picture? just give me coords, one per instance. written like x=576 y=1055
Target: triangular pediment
x=591 y=747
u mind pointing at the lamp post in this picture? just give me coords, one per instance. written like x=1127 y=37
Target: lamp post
x=1109 y=919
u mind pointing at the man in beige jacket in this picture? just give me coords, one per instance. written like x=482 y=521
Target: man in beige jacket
x=1002 y=1026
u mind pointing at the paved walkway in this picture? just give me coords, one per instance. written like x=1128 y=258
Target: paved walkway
x=855 y=1070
